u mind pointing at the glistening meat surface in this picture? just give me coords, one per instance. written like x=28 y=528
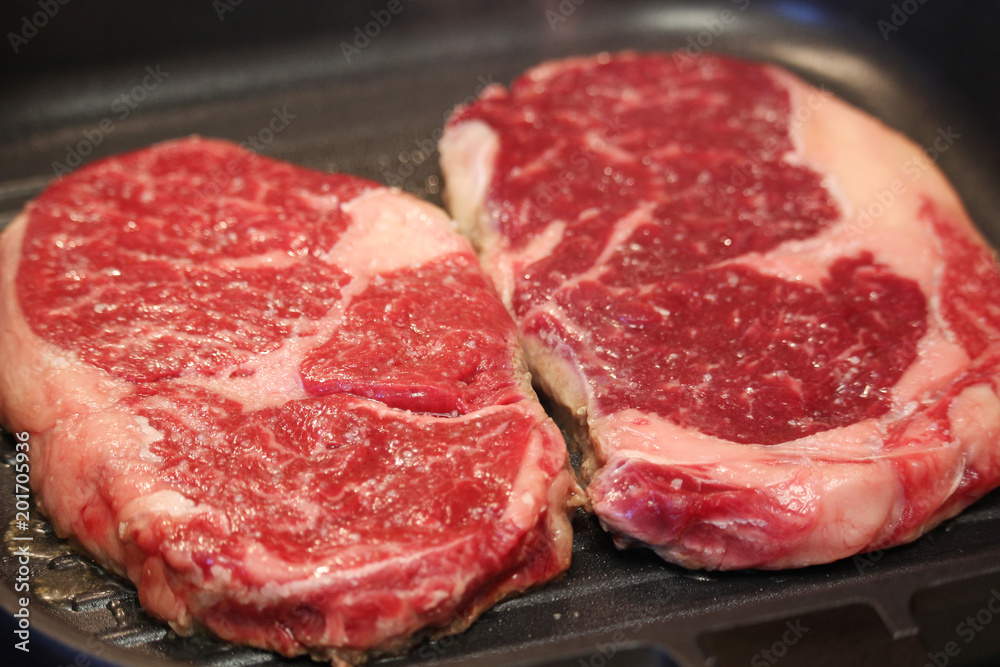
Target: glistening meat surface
x=290 y=409
x=769 y=315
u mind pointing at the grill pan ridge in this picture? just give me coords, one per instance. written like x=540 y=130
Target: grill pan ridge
x=377 y=113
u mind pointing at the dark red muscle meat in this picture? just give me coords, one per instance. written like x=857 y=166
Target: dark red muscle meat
x=288 y=405
x=769 y=313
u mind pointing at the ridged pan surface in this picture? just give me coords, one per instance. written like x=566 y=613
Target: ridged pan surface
x=376 y=108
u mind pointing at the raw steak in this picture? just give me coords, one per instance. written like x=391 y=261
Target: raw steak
x=769 y=314
x=291 y=408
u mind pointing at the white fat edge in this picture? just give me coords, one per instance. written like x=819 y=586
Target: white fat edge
x=504 y=266
x=736 y=522
x=632 y=434
x=274 y=380
x=508 y=264
x=800 y=97
x=807 y=260
x=581 y=391
x=975 y=425
x=274 y=377
x=147 y=436
x=391 y=230
x=381 y=220
x=529 y=490
x=635 y=434
x=533 y=490
x=899 y=239
x=329 y=202
x=93 y=389
x=468 y=152
x=938 y=359
x=938 y=362
x=379 y=217
x=222 y=577
x=622 y=230
x=278 y=259
x=934 y=303
x=166 y=502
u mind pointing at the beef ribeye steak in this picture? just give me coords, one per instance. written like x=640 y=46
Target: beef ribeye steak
x=769 y=313
x=288 y=405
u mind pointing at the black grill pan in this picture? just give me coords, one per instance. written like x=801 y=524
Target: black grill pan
x=226 y=68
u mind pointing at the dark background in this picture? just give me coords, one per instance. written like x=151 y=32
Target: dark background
x=955 y=39
x=230 y=64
